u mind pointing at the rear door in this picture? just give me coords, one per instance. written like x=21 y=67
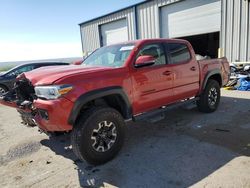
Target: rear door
x=152 y=85
x=185 y=70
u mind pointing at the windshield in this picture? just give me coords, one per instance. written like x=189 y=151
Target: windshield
x=110 y=56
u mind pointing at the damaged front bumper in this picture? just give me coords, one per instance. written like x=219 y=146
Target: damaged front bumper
x=21 y=97
x=48 y=115
x=26 y=113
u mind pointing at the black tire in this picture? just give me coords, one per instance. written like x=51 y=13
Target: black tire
x=208 y=102
x=85 y=135
x=3 y=90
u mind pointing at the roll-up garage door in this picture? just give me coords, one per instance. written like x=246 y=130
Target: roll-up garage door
x=114 y=32
x=190 y=17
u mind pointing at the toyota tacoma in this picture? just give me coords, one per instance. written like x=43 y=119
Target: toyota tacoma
x=116 y=84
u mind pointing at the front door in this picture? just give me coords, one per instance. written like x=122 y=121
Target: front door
x=152 y=85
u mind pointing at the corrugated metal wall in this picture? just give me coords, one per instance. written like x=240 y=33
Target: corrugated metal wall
x=148 y=17
x=90 y=31
x=148 y=20
x=234 y=37
x=147 y=23
x=235 y=31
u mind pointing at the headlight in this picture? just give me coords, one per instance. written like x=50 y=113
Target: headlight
x=52 y=92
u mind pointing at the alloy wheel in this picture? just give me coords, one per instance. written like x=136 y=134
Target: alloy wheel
x=2 y=91
x=212 y=96
x=104 y=136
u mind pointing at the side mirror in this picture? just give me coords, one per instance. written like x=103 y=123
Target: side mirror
x=145 y=60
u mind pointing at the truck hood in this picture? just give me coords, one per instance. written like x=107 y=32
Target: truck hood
x=48 y=75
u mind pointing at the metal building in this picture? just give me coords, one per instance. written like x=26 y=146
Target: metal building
x=235 y=30
x=214 y=27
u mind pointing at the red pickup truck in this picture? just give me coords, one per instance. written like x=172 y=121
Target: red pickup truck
x=113 y=85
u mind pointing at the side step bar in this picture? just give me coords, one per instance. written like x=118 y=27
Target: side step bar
x=159 y=114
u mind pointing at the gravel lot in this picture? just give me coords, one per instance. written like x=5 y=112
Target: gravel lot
x=187 y=148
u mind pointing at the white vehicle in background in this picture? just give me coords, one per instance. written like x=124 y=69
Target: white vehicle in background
x=233 y=68
x=238 y=66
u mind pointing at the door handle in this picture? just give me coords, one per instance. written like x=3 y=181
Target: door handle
x=193 y=69
x=167 y=73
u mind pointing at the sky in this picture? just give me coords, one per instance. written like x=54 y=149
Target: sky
x=45 y=29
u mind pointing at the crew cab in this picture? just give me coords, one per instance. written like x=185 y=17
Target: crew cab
x=115 y=84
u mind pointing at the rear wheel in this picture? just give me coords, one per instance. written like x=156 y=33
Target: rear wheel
x=210 y=98
x=98 y=135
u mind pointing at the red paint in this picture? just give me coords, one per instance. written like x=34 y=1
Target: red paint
x=147 y=88
x=58 y=111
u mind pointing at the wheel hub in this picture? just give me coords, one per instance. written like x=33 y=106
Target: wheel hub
x=2 y=91
x=104 y=136
x=212 y=96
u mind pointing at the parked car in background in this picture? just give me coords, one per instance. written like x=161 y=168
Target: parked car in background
x=7 y=79
x=233 y=68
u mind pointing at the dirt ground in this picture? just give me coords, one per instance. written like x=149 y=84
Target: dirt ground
x=186 y=149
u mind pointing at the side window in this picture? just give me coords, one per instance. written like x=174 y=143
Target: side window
x=154 y=50
x=22 y=69
x=25 y=69
x=179 y=53
x=38 y=66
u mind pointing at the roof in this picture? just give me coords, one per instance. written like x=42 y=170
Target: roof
x=131 y=6
x=42 y=63
x=142 y=41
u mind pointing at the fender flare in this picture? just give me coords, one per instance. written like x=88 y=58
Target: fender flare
x=95 y=94
x=209 y=74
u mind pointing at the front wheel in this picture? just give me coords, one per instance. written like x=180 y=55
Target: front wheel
x=210 y=97
x=98 y=135
x=3 y=90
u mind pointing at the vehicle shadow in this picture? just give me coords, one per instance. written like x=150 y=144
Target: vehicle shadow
x=178 y=151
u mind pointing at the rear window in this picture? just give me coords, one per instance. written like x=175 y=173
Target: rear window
x=179 y=53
